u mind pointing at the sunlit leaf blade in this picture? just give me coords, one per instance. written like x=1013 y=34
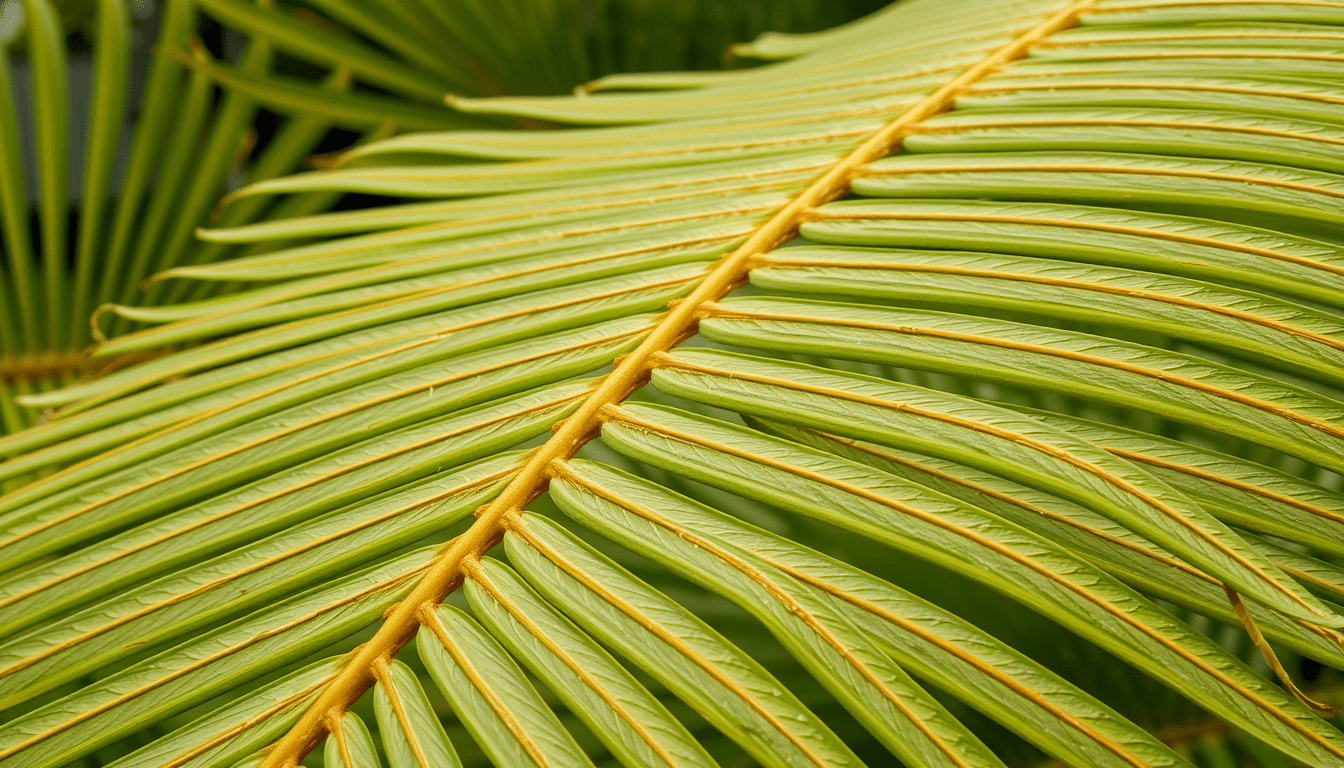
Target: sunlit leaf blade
x=671 y=645
x=986 y=437
x=211 y=664
x=238 y=729
x=490 y=694
x=637 y=729
x=917 y=520
x=410 y=730
x=1119 y=551
x=350 y=745
x=759 y=571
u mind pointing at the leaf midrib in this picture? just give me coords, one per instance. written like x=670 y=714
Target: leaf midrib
x=630 y=373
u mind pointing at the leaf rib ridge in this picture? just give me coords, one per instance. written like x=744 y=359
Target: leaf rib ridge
x=403 y=621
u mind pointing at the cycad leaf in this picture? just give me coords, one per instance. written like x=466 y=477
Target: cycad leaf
x=350 y=745
x=989 y=438
x=411 y=732
x=491 y=696
x=962 y=538
x=239 y=729
x=618 y=709
x=1132 y=208
x=1112 y=547
x=725 y=686
x=759 y=570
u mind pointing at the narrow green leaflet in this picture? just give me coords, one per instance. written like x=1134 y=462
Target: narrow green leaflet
x=238 y=729
x=962 y=538
x=1062 y=84
x=411 y=733
x=293 y=96
x=290 y=34
x=775 y=578
x=350 y=745
x=993 y=439
x=719 y=681
x=104 y=134
x=1289 y=199
x=1218 y=252
x=1238 y=491
x=1110 y=546
x=1308 y=341
x=51 y=107
x=491 y=696
x=214 y=663
x=1181 y=132
x=1324 y=578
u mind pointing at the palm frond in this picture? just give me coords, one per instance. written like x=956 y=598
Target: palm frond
x=1054 y=394
x=139 y=199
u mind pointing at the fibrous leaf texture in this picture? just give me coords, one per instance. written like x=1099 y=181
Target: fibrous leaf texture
x=963 y=388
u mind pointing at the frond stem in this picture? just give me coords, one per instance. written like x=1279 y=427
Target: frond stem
x=631 y=372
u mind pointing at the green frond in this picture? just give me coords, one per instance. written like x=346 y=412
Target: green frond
x=960 y=387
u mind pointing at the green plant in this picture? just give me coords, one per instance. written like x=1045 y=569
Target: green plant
x=1071 y=339
x=135 y=216
x=191 y=142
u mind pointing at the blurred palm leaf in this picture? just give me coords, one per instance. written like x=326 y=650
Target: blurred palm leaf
x=139 y=193
x=1053 y=395
x=76 y=238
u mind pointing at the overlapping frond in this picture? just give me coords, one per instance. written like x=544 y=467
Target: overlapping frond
x=1071 y=344
x=413 y=52
x=156 y=156
x=154 y=167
